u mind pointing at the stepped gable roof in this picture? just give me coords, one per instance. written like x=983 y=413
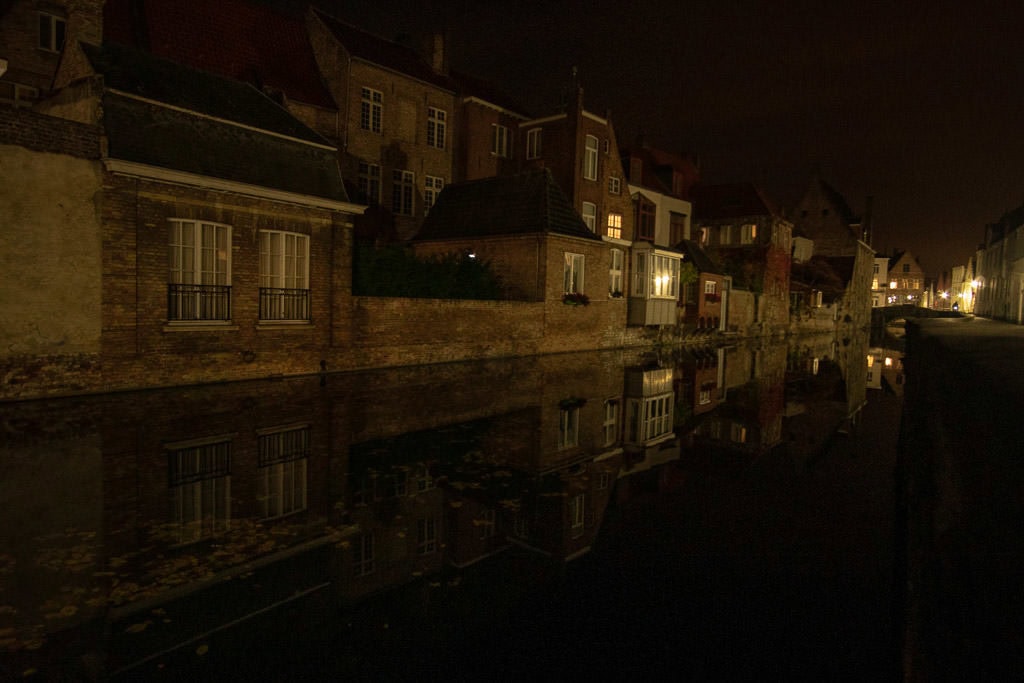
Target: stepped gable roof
x=213 y=126
x=246 y=41
x=471 y=86
x=735 y=200
x=693 y=253
x=389 y=54
x=524 y=203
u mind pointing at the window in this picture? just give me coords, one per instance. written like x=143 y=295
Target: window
x=603 y=480
x=577 y=513
x=705 y=234
x=664 y=276
x=606 y=145
x=639 y=274
x=426 y=536
x=646 y=212
x=615 y=273
x=283 y=455
x=651 y=417
x=488 y=524
x=906 y=267
x=284 y=276
x=51 y=32
x=676 y=227
x=615 y=225
x=611 y=421
x=748 y=233
x=876 y=269
x=614 y=185
x=568 y=427
x=725 y=234
x=371 y=110
x=199 y=475
x=590 y=158
x=199 y=280
x=432 y=187
x=874 y=282
x=704 y=397
x=17 y=94
x=369 y=183
x=499 y=140
x=362 y=555
x=424 y=480
x=590 y=215
x=402 y=189
x=437 y=127
x=533 y=146
x=573 y=274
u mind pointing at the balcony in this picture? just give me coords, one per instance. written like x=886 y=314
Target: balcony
x=284 y=304
x=198 y=302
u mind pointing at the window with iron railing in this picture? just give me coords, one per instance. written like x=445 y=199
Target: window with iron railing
x=199 y=265
x=284 y=276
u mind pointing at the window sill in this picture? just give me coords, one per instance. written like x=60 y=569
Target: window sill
x=284 y=324
x=199 y=326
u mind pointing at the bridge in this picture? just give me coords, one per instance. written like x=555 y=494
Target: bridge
x=883 y=315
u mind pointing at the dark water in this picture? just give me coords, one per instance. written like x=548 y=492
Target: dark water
x=704 y=514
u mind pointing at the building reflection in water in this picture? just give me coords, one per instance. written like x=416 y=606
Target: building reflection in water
x=138 y=524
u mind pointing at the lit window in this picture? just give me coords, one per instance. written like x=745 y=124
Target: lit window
x=590 y=215
x=590 y=158
x=748 y=233
x=573 y=274
x=199 y=281
x=664 y=282
x=371 y=110
x=284 y=276
x=892 y=285
x=369 y=183
x=432 y=187
x=437 y=127
x=51 y=32
x=402 y=190
x=533 y=143
x=709 y=286
x=615 y=225
x=499 y=140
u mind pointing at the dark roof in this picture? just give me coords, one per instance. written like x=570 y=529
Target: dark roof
x=735 y=200
x=240 y=39
x=658 y=166
x=185 y=137
x=386 y=53
x=140 y=73
x=837 y=200
x=700 y=259
x=470 y=86
x=525 y=203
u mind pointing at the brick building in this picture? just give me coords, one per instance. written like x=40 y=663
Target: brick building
x=906 y=279
x=824 y=216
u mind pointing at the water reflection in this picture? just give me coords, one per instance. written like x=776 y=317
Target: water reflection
x=139 y=525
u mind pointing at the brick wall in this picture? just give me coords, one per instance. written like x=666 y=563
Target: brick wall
x=41 y=133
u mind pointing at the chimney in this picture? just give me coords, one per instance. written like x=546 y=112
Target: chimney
x=84 y=25
x=435 y=53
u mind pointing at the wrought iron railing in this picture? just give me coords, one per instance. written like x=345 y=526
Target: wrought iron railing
x=198 y=302
x=284 y=304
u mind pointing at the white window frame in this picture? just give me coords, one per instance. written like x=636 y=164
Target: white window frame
x=578 y=513
x=371 y=110
x=533 y=143
x=363 y=555
x=614 y=225
x=403 y=192
x=653 y=416
x=710 y=286
x=437 y=127
x=568 y=427
x=639 y=274
x=432 y=186
x=283 y=457
x=573 y=272
x=615 y=272
x=614 y=184
x=499 y=140
x=200 y=483
x=284 y=265
x=590 y=158
x=589 y=215
x=52 y=32
x=611 y=421
x=748 y=233
x=725 y=234
x=194 y=260
x=664 y=282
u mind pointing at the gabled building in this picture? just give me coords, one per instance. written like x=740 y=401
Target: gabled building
x=704 y=300
x=906 y=279
x=32 y=36
x=397 y=106
x=746 y=233
x=824 y=216
x=880 y=281
x=489 y=140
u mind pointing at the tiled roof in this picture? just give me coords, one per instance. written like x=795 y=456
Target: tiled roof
x=736 y=200
x=240 y=39
x=391 y=55
x=525 y=203
x=693 y=253
x=186 y=137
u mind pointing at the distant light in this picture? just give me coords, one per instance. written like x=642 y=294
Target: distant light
x=892 y=285
x=471 y=254
x=974 y=284
x=888 y=362
x=871 y=361
x=945 y=295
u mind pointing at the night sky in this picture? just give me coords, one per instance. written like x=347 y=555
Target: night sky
x=919 y=104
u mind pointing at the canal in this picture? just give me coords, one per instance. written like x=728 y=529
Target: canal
x=704 y=513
